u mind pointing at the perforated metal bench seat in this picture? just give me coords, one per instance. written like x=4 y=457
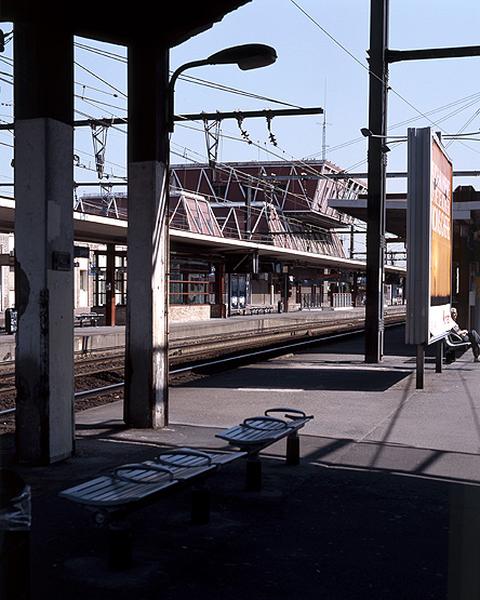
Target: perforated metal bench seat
x=131 y=483
x=452 y=340
x=258 y=432
x=131 y=486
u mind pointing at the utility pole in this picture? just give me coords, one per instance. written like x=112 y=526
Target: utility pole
x=324 y=126
x=324 y=136
x=377 y=123
x=380 y=57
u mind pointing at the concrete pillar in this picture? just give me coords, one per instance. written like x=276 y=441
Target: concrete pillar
x=146 y=372
x=44 y=243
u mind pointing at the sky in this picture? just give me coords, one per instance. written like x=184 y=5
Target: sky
x=321 y=47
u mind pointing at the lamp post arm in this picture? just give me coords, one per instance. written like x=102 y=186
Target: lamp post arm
x=171 y=88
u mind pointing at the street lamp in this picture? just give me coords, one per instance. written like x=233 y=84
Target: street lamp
x=246 y=56
x=368 y=133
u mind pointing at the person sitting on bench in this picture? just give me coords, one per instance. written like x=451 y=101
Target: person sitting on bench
x=467 y=336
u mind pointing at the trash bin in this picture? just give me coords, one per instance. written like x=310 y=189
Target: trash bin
x=11 y=320
x=280 y=306
x=15 y=523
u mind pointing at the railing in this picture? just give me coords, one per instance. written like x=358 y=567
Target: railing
x=342 y=300
x=312 y=301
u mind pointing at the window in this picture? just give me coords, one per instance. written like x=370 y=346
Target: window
x=191 y=281
x=83 y=280
x=100 y=282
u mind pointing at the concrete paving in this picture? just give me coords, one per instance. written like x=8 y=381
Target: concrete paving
x=370 y=405
x=385 y=503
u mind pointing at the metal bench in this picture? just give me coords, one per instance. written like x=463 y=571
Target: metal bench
x=131 y=486
x=255 y=309
x=256 y=433
x=453 y=342
x=88 y=318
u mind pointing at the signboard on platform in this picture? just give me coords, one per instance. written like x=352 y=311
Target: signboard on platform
x=429 y=238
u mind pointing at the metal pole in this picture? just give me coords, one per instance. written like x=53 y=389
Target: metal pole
x=374 y=317
x=420 y=363
x=110 y=307
x=248 y=216
x=439 y=357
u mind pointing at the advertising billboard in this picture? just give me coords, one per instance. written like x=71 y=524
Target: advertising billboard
x=429 y=238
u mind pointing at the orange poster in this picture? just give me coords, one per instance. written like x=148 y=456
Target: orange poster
x=441 y=228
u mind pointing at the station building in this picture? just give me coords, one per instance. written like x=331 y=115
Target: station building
x=256 y=236
x=246 y=237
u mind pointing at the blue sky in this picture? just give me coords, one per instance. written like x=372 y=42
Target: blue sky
x=311 y=70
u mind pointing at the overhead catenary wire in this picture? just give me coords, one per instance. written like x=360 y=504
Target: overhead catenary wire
x=470 y=100
x=370 y=72
x=195 y=80
x=93 y=74
x=358 y=61
x=257 y=145
x=123 y=59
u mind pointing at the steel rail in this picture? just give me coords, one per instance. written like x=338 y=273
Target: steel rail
x=218 y=361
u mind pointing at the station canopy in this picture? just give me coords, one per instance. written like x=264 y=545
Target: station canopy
x=154 y=23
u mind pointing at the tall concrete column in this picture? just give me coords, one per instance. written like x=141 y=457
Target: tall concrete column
x=44 y=243
x=146 y=372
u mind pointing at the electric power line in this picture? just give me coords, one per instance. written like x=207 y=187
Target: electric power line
x=358 y=61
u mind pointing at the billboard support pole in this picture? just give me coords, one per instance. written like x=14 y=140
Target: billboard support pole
x=377 y=123
x=439 y=357
x=420 y=370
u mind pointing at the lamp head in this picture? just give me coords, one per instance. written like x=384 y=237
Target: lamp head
x=246 y=56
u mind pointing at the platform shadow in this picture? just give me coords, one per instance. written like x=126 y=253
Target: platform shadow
x=310 y=526
x=357 y=379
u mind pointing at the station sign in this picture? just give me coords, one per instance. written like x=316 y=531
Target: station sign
x=429 y=238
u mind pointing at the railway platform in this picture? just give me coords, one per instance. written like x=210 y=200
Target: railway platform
x=87 y=339
x=384 y=504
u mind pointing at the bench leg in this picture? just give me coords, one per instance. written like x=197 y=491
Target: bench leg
x=120 y=544
x=254 y=474
x=85 y=343
x=200 y=505
x=293 y=449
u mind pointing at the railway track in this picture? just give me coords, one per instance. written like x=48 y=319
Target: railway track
x=108 y=369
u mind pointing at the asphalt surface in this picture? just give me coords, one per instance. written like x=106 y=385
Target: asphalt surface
x=384 y=505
